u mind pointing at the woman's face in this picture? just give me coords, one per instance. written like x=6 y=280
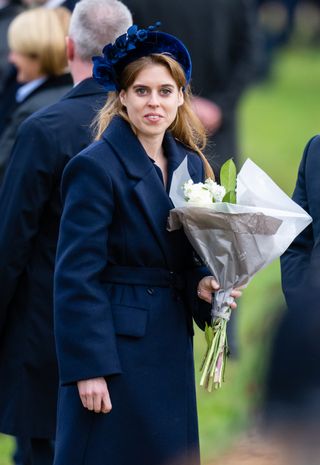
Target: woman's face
x=152 y=101
x=28 y=68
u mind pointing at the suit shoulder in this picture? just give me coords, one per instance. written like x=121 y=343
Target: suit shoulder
x=98 y=153
x=313 y=144
x=311 y=155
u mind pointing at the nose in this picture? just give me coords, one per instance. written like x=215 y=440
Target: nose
x=154 y=99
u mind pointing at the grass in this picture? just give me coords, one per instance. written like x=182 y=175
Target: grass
x=276 y=120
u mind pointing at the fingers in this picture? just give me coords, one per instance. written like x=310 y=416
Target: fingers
x=214 y=285
x=236 y=293
x=208 y=285
x=106 y=403
x=94 y=395
x=205 y=295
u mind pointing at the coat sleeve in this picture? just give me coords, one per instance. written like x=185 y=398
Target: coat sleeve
x=23 y=196
x=295 y=261
x=84 y=331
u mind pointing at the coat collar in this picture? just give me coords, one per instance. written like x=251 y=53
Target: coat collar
x=86 y=87
x=148 y=189
x=133 y=156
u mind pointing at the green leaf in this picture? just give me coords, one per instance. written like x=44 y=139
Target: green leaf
x=228 y=175
x=208 y=332
x=230 y=197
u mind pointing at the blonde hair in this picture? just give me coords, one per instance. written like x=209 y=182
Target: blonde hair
x=40 y=34
x=187 y=128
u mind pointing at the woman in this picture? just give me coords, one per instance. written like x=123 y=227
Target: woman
x=126 y=288
x=37 y=50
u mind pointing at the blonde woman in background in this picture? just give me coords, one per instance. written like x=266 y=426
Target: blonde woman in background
x=37 y=50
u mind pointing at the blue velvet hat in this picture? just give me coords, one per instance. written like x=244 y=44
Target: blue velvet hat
x=133 y=45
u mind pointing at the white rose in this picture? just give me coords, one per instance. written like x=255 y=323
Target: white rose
x=197 y=194
x=217 y=191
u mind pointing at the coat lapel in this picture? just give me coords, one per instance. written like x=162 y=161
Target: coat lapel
x=149 y=189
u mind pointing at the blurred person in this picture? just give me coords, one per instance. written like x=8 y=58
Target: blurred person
x=37 y=50
x=69 y=4
x=8 y=10
x=8 y=84
x=125 y=288
x=221 y=38
x=293 y=383
x=292 y=394
x=277 y=21
x=30 y=215
x=296 y=260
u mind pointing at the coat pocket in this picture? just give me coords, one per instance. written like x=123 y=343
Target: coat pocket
x=129 y=321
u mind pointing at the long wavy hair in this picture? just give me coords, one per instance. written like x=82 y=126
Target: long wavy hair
x=186 y=127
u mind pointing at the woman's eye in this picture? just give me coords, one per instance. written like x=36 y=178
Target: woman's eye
x=165 y=91
x=141 y=91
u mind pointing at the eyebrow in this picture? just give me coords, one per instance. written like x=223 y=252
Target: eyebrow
x=161 y=85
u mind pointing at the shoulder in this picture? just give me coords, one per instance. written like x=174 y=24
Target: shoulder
x=313 y=146
x=98 y=156
x=311 y=154
x=87 y=175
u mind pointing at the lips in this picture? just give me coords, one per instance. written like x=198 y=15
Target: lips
x=153 y=117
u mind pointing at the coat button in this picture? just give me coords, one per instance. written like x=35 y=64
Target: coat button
x=150 y=291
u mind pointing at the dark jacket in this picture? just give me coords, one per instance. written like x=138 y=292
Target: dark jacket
x=7 y=14
x=48 y=93
x=30 y=215
x=125 y=289
x=295 y=262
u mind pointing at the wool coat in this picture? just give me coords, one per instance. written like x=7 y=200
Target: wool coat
x=30 y=209
x=125 y=292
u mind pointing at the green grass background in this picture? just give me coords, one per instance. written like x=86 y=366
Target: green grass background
x=277 y=118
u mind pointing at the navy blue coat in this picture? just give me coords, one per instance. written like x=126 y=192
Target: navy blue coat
x=30 y=209
x=118 y=313
x=296 y=260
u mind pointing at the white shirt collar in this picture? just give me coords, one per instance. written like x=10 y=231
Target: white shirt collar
x=53 y=3
x=3 y=4
x=24 y=91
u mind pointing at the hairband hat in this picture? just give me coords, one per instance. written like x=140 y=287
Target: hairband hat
x=133 y=45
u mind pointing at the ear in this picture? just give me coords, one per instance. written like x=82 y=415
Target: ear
x=180 y=97
x=70 y=48
x=122 y=96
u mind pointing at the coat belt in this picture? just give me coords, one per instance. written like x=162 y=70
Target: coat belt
x=143 y=276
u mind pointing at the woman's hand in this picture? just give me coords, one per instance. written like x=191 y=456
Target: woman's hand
x=94 y=395
x=208 y=285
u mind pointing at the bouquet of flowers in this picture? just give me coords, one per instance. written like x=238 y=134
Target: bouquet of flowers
x=236 y=228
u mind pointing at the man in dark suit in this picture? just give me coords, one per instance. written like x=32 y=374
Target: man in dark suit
x=30 y=216
x=220 y=36
x=293 y=382
x=304 y=250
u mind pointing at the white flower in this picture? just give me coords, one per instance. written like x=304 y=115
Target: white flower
x=197 y=194
x=217 y=191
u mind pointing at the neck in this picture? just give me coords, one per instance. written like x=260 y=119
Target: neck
x=80 y=70
x=152 y=145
